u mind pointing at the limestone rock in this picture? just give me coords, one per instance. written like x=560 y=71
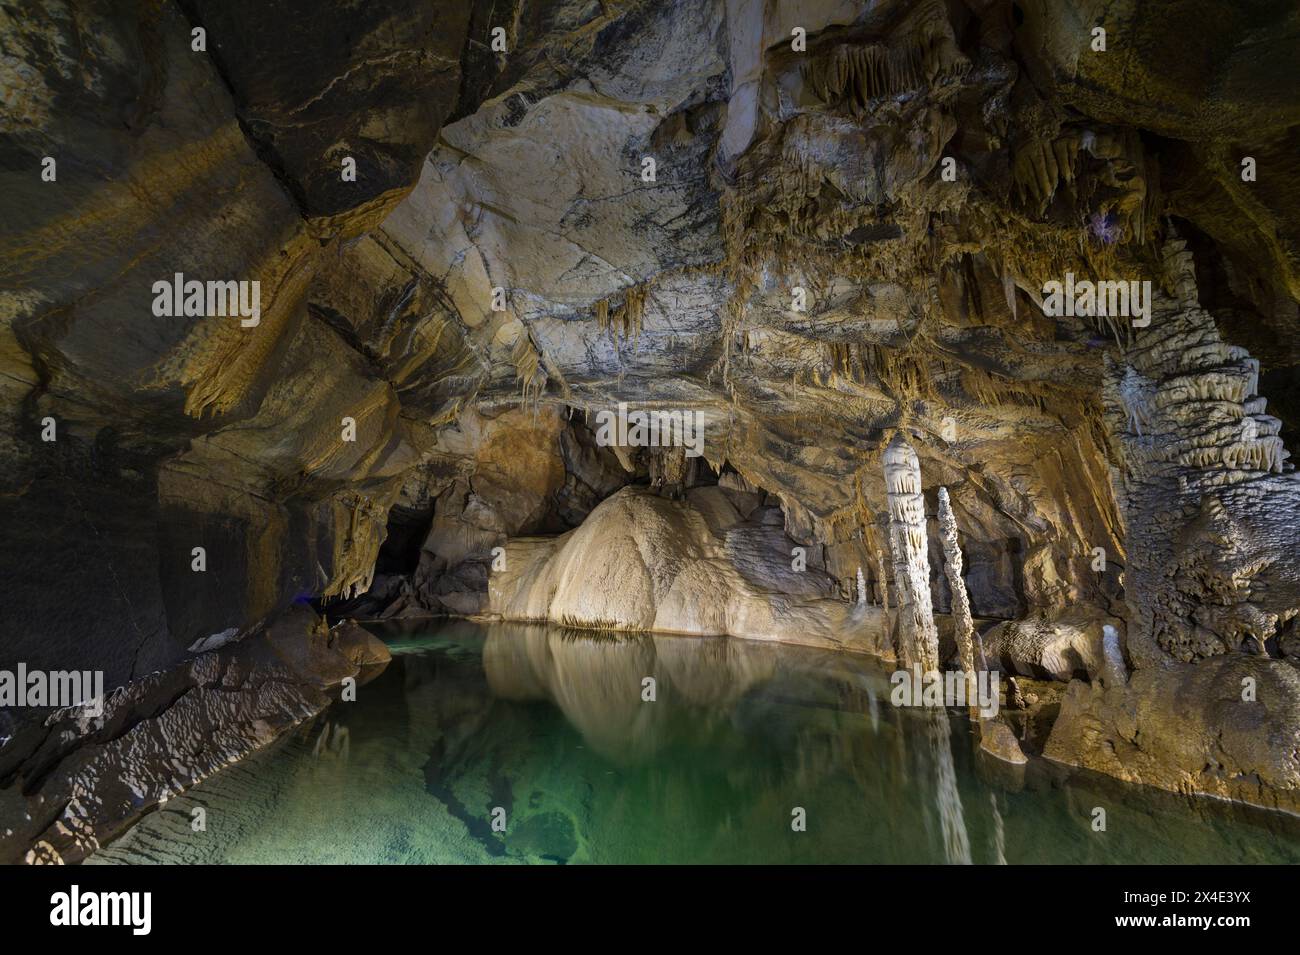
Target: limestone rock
x=828 y=247
x=641 y=562
x=358 y=645
x=370 y=82
x=1060 y=646
x=86 y=778
x=1151 y=732
x=998 y=740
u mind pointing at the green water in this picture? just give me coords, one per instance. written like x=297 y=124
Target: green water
x=551 y=727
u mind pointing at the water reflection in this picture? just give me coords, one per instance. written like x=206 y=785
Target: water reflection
x=551 y=727
x=956 y=846
x=597 y=682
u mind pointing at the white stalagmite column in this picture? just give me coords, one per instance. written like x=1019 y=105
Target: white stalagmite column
x=862 y=588
x=963 y=626
x=896 y=557
x=907 y=532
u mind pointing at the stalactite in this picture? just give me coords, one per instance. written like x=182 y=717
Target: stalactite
x=920 y=638
x=922 y=52
x=963 y=626
x=1040 y=167
x=630 y=316
x=528 y=369
x=625 y=321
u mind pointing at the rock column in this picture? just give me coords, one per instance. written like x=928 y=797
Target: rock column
x=918 y=635
x=963 y=626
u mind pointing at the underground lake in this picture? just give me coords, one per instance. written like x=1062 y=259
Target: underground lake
x=517 y=744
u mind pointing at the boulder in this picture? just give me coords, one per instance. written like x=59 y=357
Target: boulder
x=359 y=646
x=642 y=562
x=1058 y=646
x=1228 y=726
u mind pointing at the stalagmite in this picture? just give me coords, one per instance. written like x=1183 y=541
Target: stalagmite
x=1114 y=672
x=884 y=580
x=896 y=557
x=963 y=627
x=919 y=637
x=862 y=588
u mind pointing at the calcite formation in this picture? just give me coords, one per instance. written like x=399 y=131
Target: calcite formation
x=918 y=636
x=641 y=562
x=812 y=226
x=1211 y=502
x=962 y=625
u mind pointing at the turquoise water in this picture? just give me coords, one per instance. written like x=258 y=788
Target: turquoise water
x=551 y=727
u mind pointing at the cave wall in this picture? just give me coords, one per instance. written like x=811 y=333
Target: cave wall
x=178 y=432
x=477 y=170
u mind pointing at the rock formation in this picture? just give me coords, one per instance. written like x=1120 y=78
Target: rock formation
x=466 y=254
x=963 y=627
x=919 y=639
x=642 y=562
x=995 y=737
x=85 y=778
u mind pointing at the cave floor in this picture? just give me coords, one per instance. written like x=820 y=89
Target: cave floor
x=526 y=744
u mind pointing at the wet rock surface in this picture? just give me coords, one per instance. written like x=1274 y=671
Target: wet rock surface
x=75 y=780
x=1056 y=647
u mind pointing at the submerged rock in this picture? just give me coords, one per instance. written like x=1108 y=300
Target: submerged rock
x=85 y=779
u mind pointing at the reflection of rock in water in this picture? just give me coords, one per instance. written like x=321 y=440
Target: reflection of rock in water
x=596 y=681
x=464 y=745
x=738 y=731
x=956 y=845
x=739 y=735
x=999 y=835
x=332 y=740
